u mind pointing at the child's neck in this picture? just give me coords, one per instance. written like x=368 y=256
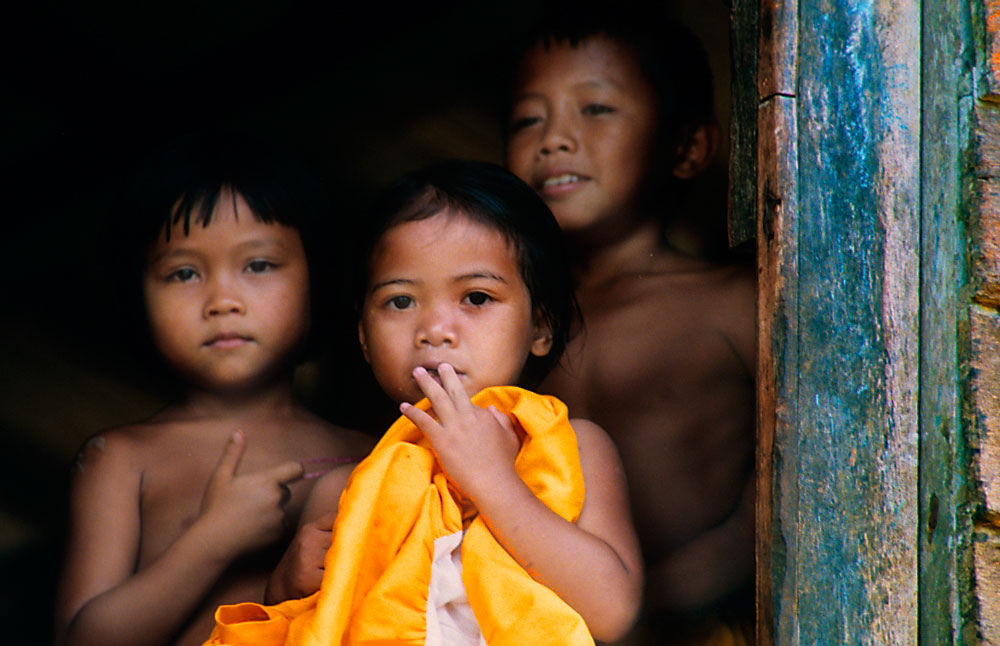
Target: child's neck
x=267 y=401
x=641 y=250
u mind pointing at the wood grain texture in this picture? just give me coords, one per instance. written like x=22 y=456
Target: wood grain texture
x=944 y=522
x=778 y=63
x=843 y=453
x=743 y=123
x=982 y=396
x=777 y=338
x=991 y=13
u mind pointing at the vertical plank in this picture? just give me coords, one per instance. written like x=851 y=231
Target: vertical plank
x=945 y=108
x=777 y=307
x=945 y=523
x=743 y=122
x=777 y=351
x=944 y=349
x=849 y=525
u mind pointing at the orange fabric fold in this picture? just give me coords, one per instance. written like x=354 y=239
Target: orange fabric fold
x=396 y=503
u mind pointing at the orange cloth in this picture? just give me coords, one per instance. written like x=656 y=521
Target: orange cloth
x=396 y=503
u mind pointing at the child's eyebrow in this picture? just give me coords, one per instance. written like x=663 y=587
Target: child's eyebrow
x=594 y=84
x=489 y=275
x=173 y=253
x=261 y=243
x=391 y=282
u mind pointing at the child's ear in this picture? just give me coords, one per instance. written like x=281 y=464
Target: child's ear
x=363 y=342
x=696 y=150
x=541 y=340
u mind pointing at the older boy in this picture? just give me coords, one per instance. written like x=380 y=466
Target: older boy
x=608 y=118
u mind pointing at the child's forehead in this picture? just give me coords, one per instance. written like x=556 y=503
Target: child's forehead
x=450 y=237
x=598 y=55
x=444 y=226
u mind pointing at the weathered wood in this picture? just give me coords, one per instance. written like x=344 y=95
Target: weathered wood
x=985 y=256
x=944 y=525
x=991 y=12
x=777 y=351
x=982 y=396
x=779 y=47
x=844 y=413
x=987 y=554
x=777 y=307
x=743 y=122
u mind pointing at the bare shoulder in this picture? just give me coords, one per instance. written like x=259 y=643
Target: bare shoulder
x=115 y=450
x=597 y=449
x=325 y=494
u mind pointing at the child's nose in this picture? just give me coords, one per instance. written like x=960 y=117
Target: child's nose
x=558 y=136
x=437 y=328
x=223 y=299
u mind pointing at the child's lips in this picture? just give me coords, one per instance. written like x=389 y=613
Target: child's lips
x=560 y=183
x=227 y=341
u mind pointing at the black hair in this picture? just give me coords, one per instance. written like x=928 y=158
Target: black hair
x=184 y=182
x=495 y=197
x=670 y=56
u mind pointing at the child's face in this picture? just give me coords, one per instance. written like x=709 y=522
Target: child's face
x=447 y=289
x=228 y=304
x=582 y=131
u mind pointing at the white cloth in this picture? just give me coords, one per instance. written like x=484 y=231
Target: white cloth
x=450 y=621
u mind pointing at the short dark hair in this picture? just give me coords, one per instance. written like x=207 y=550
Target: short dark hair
x=183 y=182
x=670 y=56
x=495 y=197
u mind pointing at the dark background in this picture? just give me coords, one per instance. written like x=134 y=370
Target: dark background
x=89 y=89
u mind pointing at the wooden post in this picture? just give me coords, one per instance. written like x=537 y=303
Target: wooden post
x=838 y=241
x=944 y=523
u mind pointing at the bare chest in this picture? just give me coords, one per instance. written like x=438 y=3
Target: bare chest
x=173 y=486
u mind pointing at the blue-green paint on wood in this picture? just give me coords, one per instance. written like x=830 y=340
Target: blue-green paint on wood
x=847 y=510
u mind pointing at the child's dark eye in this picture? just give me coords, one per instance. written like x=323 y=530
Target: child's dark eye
x=478 y=298
x=259 y=266
x=400 y=302
x=523 y=122
x=182 y=275
x=594 y=109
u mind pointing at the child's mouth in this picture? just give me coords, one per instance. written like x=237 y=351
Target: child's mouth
x=227 y=341
x=557 y=185
x=559 y=180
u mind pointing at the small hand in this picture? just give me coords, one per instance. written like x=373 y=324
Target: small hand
x=246 y=511
x=476 y=447
x=300 y=571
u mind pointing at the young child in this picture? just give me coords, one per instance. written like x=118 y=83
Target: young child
x=483 y=513
x=610 y=113
x=172 y=516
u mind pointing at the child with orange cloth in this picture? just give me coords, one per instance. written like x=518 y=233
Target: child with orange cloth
x=484 y=514
x=173 y=516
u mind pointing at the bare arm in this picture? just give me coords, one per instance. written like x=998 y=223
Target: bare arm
x=300 y=571
x=103 y=599
x=593 y=564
